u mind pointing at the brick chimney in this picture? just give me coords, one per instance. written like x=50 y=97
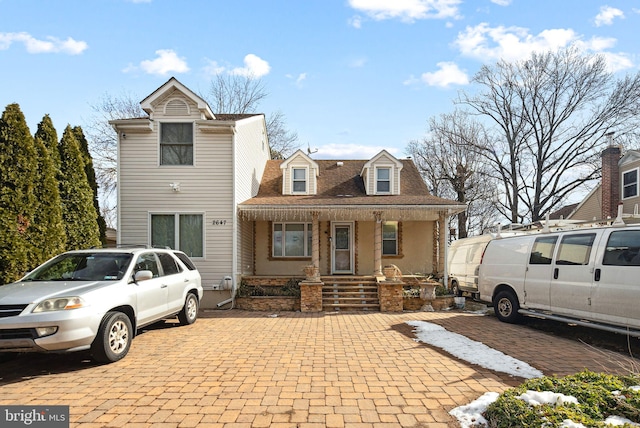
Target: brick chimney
x=610 y=179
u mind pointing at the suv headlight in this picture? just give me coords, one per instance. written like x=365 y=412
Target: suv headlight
x=59 y=304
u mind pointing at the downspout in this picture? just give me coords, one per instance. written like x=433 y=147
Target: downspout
x=234 y=245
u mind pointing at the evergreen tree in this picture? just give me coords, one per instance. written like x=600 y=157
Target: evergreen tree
x=91 y=178
x=17 y=177
x=78 y=212
x=48 y=234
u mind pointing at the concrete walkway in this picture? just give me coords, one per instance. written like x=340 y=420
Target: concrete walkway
x=238 y=369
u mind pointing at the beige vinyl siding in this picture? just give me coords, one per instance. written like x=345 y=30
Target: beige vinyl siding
x=590 y=208
x=206 y=189
x=251 y=155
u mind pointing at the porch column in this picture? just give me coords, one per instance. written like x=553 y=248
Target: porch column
x=377 y=245
x=315 y=245
x=442 y=244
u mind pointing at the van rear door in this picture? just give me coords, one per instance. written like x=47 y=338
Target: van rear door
x=616 y=289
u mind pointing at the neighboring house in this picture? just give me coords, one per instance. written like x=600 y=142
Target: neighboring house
x=619 y=186
x=204 y=183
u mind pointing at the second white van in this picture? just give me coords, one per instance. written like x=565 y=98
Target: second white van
x=587 y=276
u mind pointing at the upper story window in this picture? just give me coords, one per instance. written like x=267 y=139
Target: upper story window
x=383 y=180
x=176 y=143
x=630 y=184
x=299 y=180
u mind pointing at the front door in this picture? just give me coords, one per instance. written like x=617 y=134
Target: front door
x=342 y=248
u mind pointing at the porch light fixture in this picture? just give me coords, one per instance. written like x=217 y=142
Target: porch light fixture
x=175 y=186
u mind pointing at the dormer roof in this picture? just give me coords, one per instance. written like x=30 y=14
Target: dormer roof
x=167 y=90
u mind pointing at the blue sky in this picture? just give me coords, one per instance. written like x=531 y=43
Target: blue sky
x=352 y=77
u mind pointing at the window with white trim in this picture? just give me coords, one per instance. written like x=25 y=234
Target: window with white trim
x=383 y=180
x=292 y=240
x=176 y=143
x=630 y=184
x=390 y=238
x=182 y=232
x=299 y=177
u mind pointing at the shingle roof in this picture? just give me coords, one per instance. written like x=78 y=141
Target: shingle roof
x=233 y=116
x=342 y=185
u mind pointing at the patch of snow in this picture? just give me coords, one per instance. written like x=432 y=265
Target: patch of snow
x=536 y=398
x=472 y=351
x=619 y=420
x=470 y=415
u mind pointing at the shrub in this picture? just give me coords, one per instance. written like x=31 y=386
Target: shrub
x=599 y=396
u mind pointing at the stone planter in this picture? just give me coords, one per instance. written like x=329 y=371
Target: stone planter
x=312 y=273
x=390 y=273
x=428 y=290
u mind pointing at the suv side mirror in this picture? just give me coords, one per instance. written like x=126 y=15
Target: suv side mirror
x=142 y=275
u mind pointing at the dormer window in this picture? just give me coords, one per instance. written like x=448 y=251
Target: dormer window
x=299 y=180
x=383 y=180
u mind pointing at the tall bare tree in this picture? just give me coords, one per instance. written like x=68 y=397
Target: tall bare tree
x=452 y=168
x=240 y=94
x=103 y=144
x=551 y=113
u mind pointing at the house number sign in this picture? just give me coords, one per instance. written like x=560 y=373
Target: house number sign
x=219 y=222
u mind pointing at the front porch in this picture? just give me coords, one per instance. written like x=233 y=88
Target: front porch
x=335 y=293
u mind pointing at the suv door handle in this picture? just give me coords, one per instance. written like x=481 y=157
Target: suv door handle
x=555 y=273
x=596 y=276
x=164 y=286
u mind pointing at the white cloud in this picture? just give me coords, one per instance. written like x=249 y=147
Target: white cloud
x=254 y=66
x=356 y=22
x=448 y=74
x=167 y=62
x=617 y=61
x=510 y=43
x=501 y=2
x=36 y=46
x=213 y=68
x=298 y=80
x=406 y=10
x=607 y=15
x=516 y=43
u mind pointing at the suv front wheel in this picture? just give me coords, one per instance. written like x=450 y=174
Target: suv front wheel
x=114 y=338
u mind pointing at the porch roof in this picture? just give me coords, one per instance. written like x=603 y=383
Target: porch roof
x=341 y=196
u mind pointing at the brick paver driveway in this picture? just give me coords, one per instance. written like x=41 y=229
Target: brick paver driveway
x=251 y=369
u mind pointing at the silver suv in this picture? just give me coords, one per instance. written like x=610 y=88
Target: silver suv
x=96 y=300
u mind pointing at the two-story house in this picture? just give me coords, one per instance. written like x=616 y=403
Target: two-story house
x=204 y=183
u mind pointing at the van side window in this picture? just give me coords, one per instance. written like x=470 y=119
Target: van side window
x=575 y=249
x=542 y=250
x=623 y=248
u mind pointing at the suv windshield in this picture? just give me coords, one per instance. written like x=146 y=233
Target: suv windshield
x=83 y=267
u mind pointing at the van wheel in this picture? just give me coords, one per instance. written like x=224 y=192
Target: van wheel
x=506 y=307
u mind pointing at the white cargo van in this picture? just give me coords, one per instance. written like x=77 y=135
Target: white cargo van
x=587 y=276
x=463 y=262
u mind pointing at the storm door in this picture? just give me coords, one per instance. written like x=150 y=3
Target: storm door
x=342 y=248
